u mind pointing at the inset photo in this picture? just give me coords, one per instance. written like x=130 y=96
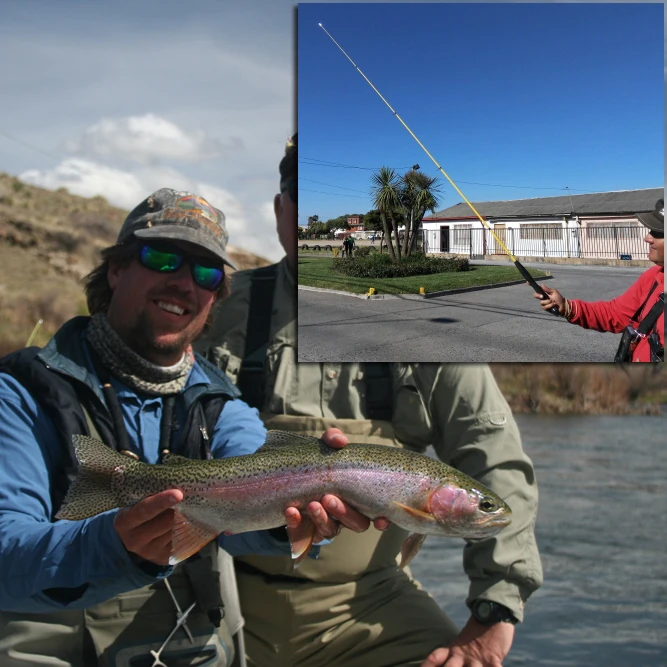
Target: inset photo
x=480 y=183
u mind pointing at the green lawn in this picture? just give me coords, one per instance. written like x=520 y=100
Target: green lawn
x=317 y=272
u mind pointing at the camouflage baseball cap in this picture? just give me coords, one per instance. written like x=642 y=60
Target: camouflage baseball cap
x=654 y=220
x=179 y=216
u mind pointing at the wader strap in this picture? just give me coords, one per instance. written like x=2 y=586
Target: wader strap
x=649 y=321
x=92 y=429
x=198 y=569
x=251 y=375
x=635 y=317
x=379 y=391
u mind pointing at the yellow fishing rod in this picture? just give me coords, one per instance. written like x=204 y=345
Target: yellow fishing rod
x=522 y=269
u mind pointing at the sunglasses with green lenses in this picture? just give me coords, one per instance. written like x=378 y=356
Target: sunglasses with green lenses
x=165 y=258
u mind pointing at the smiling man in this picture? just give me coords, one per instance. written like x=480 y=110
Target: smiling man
x=94 y=592
x=638 y=312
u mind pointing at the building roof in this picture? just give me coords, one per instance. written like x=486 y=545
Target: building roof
x=597 y=203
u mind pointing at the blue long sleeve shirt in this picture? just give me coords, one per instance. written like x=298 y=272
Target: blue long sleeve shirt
x=49 y=565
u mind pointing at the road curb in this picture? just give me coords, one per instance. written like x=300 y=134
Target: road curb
x=338 y=291
x=419 y=297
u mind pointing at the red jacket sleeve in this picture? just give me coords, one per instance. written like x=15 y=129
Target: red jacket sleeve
x=615 y=315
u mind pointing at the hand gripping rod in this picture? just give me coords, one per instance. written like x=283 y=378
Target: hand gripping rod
x=522 y=269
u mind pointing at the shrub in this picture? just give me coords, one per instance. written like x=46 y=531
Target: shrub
x=381 y=266
x=362 y=251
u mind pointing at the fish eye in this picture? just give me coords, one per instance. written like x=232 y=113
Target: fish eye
x=487 y=504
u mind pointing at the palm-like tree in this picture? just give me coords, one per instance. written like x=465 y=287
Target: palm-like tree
x=419 y=193
x=386 y=194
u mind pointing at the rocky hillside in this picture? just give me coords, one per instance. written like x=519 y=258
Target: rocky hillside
x=48 y=242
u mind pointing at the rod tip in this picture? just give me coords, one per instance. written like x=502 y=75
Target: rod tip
x=321 y=26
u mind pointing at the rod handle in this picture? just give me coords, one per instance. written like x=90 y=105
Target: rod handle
x=531 y=281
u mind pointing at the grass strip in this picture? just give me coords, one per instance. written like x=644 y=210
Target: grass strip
x=317 y=272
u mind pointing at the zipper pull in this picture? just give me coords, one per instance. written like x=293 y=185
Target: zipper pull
x=207 y=446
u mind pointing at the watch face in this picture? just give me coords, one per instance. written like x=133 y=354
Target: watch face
x=484 y=610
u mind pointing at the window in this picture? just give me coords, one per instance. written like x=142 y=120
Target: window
x=609 y=231
x=549 y=231
x=461 y=235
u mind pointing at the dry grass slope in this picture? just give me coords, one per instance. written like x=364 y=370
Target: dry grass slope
x=49 y=240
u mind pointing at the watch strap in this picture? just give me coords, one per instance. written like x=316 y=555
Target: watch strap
x=488 y=612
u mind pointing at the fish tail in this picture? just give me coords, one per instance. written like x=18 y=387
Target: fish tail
x=92 y=491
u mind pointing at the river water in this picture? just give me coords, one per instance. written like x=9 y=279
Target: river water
x=602 y=534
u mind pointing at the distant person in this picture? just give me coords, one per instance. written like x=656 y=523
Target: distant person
x=372 y=238
x=92 y=592
x=357 y=608
x=638 y=313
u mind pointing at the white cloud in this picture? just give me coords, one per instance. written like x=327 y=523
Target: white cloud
x=87 y=179
x=267 y=212
x=148 y=139
x=253 y=231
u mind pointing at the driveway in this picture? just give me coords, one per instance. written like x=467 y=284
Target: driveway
x=494 y=325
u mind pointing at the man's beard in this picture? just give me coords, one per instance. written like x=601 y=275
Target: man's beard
x=143 y=340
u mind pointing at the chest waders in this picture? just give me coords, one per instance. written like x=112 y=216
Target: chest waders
x=122 y=631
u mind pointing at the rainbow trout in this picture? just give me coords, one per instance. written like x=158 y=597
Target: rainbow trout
x=244 y=493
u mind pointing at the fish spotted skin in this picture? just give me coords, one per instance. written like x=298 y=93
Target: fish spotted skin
x=245 y=493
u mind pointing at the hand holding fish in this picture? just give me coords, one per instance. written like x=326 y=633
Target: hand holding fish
x=332 y=513
x=145 y=529
x=476 y=645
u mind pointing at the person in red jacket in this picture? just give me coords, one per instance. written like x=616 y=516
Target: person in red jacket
x=631 y=307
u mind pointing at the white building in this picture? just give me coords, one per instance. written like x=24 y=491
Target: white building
x=602 y=225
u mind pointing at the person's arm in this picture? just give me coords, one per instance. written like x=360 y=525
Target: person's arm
x=616 y=314
x=476 y=433
x=610 y=316
x=45 y=564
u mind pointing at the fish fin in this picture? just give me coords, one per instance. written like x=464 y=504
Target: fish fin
x=277 y=439
x=419 y=514
x=188 y=537
x=91 y=492
x=170 y=459
x=301 y=539
x=410 y=548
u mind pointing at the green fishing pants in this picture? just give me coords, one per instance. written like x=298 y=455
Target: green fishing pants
x=382 y=620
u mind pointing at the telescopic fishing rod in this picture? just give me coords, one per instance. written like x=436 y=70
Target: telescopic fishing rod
x=522 y=269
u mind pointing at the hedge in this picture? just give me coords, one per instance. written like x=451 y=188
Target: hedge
x=381 y=266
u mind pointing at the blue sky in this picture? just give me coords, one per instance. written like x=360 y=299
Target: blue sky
x=530 y=95
x=121 y=98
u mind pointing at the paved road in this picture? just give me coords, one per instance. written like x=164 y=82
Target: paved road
x=502 y=324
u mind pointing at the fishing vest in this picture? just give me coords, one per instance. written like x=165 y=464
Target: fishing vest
x=350 y=555
x=121 y=631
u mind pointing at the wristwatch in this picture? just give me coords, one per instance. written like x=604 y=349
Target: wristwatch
x=489 y=613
